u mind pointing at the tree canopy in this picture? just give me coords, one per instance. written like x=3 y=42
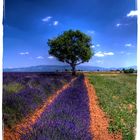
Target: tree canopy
x=72 y=47
x=130 y=70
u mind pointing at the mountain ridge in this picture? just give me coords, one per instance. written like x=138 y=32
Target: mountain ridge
x=54 y=68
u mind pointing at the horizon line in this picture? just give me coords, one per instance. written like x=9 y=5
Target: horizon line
x=67 y=65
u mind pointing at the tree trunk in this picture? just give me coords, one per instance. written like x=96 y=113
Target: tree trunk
x=73 y=70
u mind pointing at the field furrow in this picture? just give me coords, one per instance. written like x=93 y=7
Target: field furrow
x=26 y=124
x=67 y=118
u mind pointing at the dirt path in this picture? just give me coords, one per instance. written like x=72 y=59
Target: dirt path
x=26 y=124
x=99 y=122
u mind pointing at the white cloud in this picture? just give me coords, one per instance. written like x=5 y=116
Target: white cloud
x=98 y=45
x=129 y=45
x=108 y=53
x=102 y=54
x=90 y=31
x=99 y=54
x=118 y=25
x=132 y=13
x=55 y=23
x=24 y=53
x=40 y=57
x=46 y=19
x=92 y=46
x=50 y=57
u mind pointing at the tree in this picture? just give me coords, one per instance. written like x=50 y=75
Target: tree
x=130 y=70
x=71 y=47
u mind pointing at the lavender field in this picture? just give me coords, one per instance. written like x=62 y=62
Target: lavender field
x=59 y=106
x=24 y=92
x=66 y=118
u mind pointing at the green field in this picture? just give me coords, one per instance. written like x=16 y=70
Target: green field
x=117 y=97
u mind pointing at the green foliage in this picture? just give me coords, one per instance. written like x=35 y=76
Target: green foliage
x=13 y=87
x=72 y=47
x=117 y=97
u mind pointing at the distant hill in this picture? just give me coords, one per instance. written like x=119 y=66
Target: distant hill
x=54 y=68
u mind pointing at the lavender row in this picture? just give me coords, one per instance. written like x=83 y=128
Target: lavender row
x=67 y=118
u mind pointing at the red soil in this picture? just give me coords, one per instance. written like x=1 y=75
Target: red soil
x=98 y=121
x=26 y=124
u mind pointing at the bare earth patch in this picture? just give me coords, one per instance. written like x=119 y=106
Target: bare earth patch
x=26 y=124
x=99 y=123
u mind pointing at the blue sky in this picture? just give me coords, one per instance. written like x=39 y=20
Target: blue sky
x=28 y=24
